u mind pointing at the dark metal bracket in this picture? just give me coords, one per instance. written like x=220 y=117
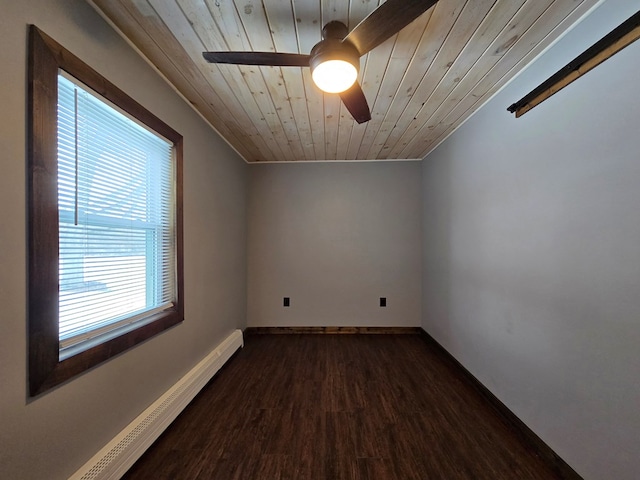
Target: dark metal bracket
x=620 y=37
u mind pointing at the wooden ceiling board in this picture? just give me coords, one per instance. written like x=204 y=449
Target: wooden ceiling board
x=426 y=121
x=250 y=99
x=349 y=132
x=525 y=37
x=285 y=39
x=420 y=84
x=256 y=26
x=466 y=24
x=387 y=102
x=160 y=48
x=221 y=99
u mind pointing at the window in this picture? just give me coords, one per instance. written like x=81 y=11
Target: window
x=105 y=225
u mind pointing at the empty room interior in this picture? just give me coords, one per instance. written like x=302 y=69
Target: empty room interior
x=412 y=210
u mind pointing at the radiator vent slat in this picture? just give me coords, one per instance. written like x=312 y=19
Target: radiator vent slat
x=122 y=452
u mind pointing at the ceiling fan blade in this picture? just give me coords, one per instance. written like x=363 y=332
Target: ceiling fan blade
x=258 y=58
x=355 y=101
x=385 y=21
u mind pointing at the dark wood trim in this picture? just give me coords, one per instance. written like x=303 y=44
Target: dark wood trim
x=178 y=151
x=559 y=466
x=46 y=57
x=620 y=37
x=91 y=78
x=333 y=330
x=42 y=210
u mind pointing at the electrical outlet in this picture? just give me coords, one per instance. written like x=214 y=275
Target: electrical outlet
x=383 y=301
x=286 y=302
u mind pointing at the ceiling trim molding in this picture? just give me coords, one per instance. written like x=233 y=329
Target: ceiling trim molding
x=302 y=162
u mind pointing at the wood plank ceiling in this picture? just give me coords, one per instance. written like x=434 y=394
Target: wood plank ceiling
x=420 y=84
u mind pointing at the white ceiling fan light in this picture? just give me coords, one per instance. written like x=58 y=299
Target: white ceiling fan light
x=334 y=65
x=334 y=76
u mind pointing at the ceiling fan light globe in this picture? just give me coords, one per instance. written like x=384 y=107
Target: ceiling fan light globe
x=334 y=65
x=334 y=76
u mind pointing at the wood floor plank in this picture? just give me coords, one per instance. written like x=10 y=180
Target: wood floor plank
x=340 y=407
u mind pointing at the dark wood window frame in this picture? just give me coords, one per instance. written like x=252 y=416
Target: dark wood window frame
x=46 y=58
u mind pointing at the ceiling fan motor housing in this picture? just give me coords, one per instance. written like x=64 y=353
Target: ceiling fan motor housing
x=334 y=29
x=333 y=49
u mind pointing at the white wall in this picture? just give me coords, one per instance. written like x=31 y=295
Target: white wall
x=532 y=253
x=334 y=237
x=53 y=435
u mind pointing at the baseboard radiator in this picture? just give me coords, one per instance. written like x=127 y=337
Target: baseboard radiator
x=121 y=453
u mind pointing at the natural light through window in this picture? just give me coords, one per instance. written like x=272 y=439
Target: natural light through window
x=116 y=219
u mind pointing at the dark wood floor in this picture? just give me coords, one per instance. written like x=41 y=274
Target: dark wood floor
x=339 y=407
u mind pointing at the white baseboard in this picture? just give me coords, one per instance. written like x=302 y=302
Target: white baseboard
x=121 y=453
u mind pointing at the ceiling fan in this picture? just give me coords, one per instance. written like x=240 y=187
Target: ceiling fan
x=335 y=60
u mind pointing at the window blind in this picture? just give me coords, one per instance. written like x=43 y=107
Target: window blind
x=116 y=218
